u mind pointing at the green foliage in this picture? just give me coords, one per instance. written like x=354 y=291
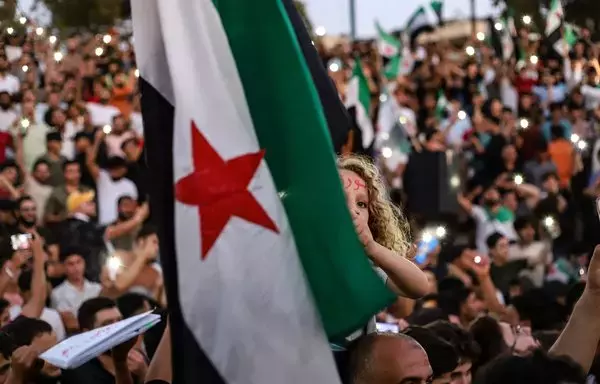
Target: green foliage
x=301 y=7
x=84 y=14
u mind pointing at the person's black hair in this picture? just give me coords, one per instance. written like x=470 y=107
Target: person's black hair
x=556 y=132
x=123 y=198
x=21 y=332
x=460 y=339
x=450 y=284
x=82 y=135
x=555 y=106
x=24 y=280
x=539 y=368
x=550 y=174
x=86 y=316
x=3 y=304
x=523 y=222
x=546 y=338
x=69 y=162
x=39 y=162
x=450 y=253
x=443 y=358
x=53 y=136
x=8 y=163
x=488 y=335
x=542 y=310
x=131 y=303
x=66 y=252
x=450 y=301
x=114 y=162
x=146 y=231
x=493 y=239
x=22 y=199
x=424 y=316
x=430 y=133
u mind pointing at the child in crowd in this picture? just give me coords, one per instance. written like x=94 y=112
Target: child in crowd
x=382 y=229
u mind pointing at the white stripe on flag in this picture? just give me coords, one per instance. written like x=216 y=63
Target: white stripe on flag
x=362 y=117
x=247 y=303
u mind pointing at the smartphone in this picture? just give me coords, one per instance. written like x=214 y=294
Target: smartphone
x=386 y=327
x=20 y=241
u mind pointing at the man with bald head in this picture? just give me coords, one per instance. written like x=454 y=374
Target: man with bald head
x=382 y=358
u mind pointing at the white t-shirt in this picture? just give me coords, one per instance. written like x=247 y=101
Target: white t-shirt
x=68 y=144
x=137 y=123
x=49 y=315
x=67 y=297
x=109 y=192
x=7 y=118
x=486 y=227
x=10 y=84
x=102 y=114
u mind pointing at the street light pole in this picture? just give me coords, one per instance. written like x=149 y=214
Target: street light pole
x=353 y=19
x=473 y=18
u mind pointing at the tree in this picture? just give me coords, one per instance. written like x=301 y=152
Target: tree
x=84 y=14
x=301 y=7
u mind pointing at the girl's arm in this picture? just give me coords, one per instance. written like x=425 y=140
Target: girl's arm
x=404 y=277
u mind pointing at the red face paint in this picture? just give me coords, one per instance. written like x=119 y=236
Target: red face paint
x=348 y=183
x=359 y=184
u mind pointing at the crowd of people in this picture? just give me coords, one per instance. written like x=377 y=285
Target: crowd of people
x=498 y=284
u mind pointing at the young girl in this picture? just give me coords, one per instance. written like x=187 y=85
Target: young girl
x=381 y=227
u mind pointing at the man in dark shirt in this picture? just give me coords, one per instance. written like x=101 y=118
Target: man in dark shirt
x=96 y=313
x=502 y=270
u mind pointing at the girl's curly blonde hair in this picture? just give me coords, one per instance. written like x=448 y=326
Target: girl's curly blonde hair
x=386 y=222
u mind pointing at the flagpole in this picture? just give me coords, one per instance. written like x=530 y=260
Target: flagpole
x=353 y=19
x=473 y=18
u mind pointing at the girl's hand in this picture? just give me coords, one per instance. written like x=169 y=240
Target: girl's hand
x=364 y=235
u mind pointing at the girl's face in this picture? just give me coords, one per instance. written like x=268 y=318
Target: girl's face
x=357 y=196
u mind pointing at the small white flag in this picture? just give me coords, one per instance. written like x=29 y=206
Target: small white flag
x=79 y=349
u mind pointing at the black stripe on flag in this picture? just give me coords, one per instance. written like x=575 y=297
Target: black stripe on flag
x=190 y=364
x=495 y=38
x=337 y=117
x=553 y=38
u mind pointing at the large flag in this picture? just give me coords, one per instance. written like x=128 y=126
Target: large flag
x=387 y=45
x=259 y=268
x=358 y=95
x=554 y=27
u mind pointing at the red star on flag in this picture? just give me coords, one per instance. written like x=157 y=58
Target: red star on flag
x=219 y=188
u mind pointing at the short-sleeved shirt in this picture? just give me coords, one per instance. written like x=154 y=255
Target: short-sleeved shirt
x=56 y=169
x=67 y=298
x=109 y=192
x=487 y=226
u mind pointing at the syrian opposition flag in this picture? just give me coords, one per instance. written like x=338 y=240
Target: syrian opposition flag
x=387 y=45
x=554 y=27
x=508 y=36
x=358 y=96
x=438 y=8
x=418 y=23
x=260 y=269
x=441 y=107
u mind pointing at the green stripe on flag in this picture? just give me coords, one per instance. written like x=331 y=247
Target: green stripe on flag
x=290 y=125
x=392 y=68
x=364 y=95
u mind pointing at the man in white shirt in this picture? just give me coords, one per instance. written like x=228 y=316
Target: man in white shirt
x=102 y=113
x=68 y=296
x=7 y=113
x=111 y=183
x=8 y=82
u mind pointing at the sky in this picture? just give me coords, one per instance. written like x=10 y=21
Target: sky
x=334 y=14
x=391 y=14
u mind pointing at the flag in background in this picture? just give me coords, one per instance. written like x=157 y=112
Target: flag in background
x=387 y=45
x=571 y=34
x=417 y=24
x=392 y=69
x=554 y=27
x=508 y=35
x=441 y=106
x=358 y=96
x=259 y=268
x=438 y=8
